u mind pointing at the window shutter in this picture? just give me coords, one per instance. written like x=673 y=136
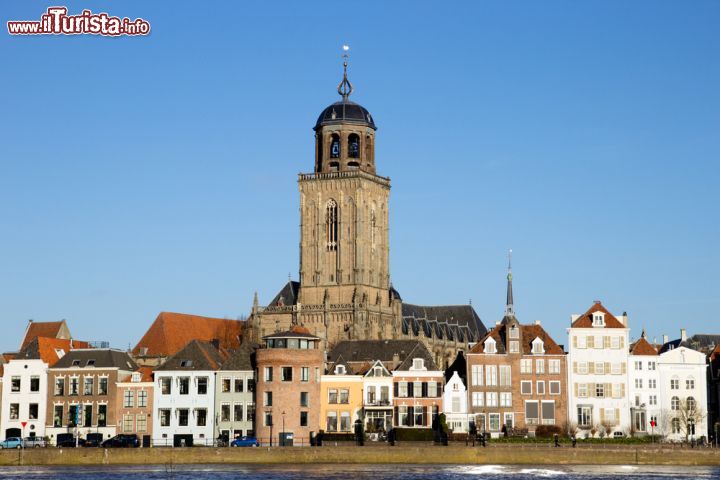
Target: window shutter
x=396 y=388
x=617 y=416
x=607 y=368
x=591 y=388
x=590 y=341
x=574 y=344
x=424 y=389
x=576 y=389
x=425 y=416
x=411 y=388
x=606 y=342
x=602 y=415
x=622 y=342
x=622 y=389
x=624 y=368
x=608 y=389
x=575 y=370
x=591 y=367
x=397 y=416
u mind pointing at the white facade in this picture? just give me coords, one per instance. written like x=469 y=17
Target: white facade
x=25 y=398
x=645 y=399
x=378 y=397
x=455 y=405
x=598 y=401
x=184 y=406
x=683 y=394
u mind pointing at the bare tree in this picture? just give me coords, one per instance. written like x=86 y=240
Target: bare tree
x=571 y=428
x=607 y=427
x=690 y=416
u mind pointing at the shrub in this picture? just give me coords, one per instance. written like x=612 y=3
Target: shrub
x=548 y=431
x=414 y=434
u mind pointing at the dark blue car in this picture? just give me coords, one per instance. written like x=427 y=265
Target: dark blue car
x=245 y=442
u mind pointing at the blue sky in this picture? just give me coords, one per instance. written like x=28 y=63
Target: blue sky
x=159 y=173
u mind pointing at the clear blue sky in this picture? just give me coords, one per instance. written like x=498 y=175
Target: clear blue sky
x=159 y=173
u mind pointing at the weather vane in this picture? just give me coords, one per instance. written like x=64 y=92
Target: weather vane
x=345 y=88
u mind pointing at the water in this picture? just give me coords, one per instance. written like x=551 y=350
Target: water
x=359 y=472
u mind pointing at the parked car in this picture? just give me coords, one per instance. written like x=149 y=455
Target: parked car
x=71 y=442
x=122 y=441
x=34 y=442
x=245 y=442
x=12 y=442
x=93 y=440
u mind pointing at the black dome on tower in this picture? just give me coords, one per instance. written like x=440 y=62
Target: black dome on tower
x=345 y=111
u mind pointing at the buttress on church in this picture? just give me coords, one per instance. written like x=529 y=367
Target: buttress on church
x=344 y=290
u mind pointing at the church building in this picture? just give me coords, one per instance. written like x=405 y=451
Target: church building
x=345 y=290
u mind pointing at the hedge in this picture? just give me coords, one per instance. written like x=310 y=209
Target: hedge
x=414 y=434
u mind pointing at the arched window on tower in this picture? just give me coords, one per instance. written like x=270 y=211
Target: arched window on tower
x=354 y=146
x=331 y=225
x=335 y=146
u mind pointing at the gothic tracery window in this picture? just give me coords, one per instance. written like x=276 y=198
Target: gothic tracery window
x=331 y=225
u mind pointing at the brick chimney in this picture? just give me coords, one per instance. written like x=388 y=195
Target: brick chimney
x=683 y=334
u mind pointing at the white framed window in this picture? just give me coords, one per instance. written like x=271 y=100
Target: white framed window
x=505 y=399
x=478 y=399
x=690 y=383
x=652 y=400
x=638 y=383
x=674 y=383
x=514 y=346
x=541 y=387
x=582 y=390
x=615 y=342
x=505 y=376
x=494 y=421
x=477 y=375
x=599 y=368
x=598 y=319
x=583 y=368
x=554 y=366
x=526 y=387
x=616 y=368
x=418 y=364
x=491 y=375
x=652 y=383
x=514 y=332
x=539 y=366
x=538 y=347
x=526 y=366
x=490 y=346
x=638 y=365
x=554 y=387
x=581 y=341
x=652 y=365
x=491 y=399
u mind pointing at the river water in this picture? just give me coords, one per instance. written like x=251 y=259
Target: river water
x=358 y=472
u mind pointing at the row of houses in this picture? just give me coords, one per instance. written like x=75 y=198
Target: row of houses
x=193 y=381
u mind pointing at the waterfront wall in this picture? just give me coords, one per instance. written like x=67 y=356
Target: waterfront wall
x=400 y=455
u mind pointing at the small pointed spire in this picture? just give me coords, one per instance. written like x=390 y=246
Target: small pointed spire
x=256 y=302
x=345 y=88
x=509 y=310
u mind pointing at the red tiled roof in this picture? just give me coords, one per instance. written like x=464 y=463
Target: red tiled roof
x=642 y=347
x=528 y=333
x=170 y=332
x=47 y=348
x=585 y=320
x=41 y=329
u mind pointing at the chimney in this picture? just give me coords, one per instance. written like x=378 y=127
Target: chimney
x=574 y=317
x=71 y=344
x=683 y=334
x=396 y=361
x=537 y=322
x=497 y=324
x=624 y=319
x=665 y=339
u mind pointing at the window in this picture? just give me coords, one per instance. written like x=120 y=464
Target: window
x=184 y=385
x=304 y=374
x=73 y=415
x=165 y=385
x=652 y=365
x=598 y=320
x=333 y=395
x=238 y=412
x=335 y=147
x=14 y=411
x=303 y=419
x=548 y=413
x=88 y=383
x=675 y=383
x=491 y=375
x=538 y=347
x=509 y=421
x=539 y=367
x=268 y=374
x=371 y=394
x=599 y=368
x=554 y=367
x=128 y=399
x=141 y=422
x=477 y=375
x=136 y=377
x=675 y=403
x=202 y=385
x=58 y=416
x=514 y=332
x=541 y=388
x=73 y=386
x=331 y=422
x=616 y=368
x=494 y=421
x=652 y=400
x=402 y=389
x=526 y=366
x=225 y=412
x=59 y=386
x=638 y=383
x=345 y=421
x=531 y=412
x=102 y=415
x=418 y=364
x=331 y=225
x=676 y=425
x=582 y=390
x=615 y=342
x=432 y=390
x=490 y=346
x=267 y=399
x=492 y=399
x=239 y=385
x=250 y=412
x=455 y=408
x=478 y=399
x=584 y=416
x=304 y=399
x=638 y=365
x=690 y=384
x=690 y=403
x=581 y=341
x=201 y=417
x=225 y=385
x=128 y=423
x=164 y=417
x=554 y=388
x=353 y=146
x=514 y=346
x=286 y=374
x=268 y=419
x=142 y=398
x=103 y=386
x=600 y=390
x=34 y=383
x=505 y=399
x=610 y=416
x=582 y=368
x=505 y=376
x=183 y=416
x=344 y=396
x=526 y=387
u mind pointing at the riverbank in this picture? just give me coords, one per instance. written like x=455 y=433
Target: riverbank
x=405 y=454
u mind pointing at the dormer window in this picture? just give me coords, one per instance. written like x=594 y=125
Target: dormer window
x=490 y=346
x=76 y=363
x=418 y=364
x=514 y=332
x=538 y=348
x=90 y=363
x=136 y=377
x=186 y=363
x=377 y=371
x=340 y=370
x=598 y=319
x=60 y=352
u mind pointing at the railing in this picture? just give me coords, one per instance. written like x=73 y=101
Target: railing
x=350 y=174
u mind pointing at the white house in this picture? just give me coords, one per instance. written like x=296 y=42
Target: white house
x=378 y=397
x=644 y=388
x=683 y=390
x=184 y=396
x=597 y=373
x=455 y=405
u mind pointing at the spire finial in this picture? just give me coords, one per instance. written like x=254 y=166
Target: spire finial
x=509 y=310
x=345 y=88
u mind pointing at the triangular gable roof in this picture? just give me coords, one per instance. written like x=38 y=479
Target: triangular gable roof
x=241 y=359
x=287 y=295
x=642 y=347
x=380 y=364
x=46 y=349
x=171 y=331
x=585 y=320
x=196 y=355
x=44 y=329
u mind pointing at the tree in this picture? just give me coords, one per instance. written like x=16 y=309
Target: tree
x=607 y=428
x=571 y=428
x=691 y=415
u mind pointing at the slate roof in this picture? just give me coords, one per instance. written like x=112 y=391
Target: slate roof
x=242 y=358
x=585 y=320
x=104 y=358
x=459 y=365
x=196 y=355
x=45 y=349
x=345 y=111
x=42 y=329
x=527 y=333
x=170 y=332
x=356 y=353
x=452 y=322
x=287 y=295
x=699 y=342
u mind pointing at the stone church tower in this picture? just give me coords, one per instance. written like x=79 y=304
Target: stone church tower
x=344 y=292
